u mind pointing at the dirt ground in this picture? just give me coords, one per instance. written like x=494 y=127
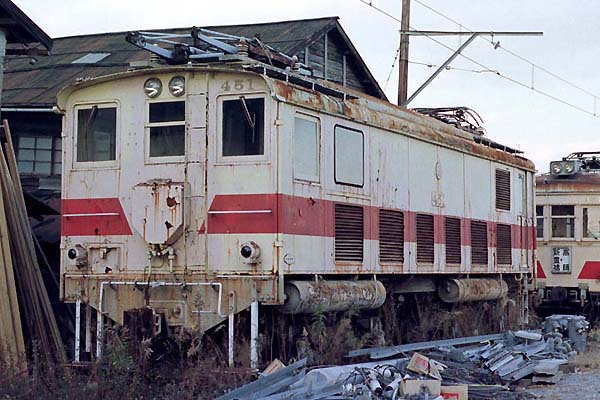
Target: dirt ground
x=581 y=381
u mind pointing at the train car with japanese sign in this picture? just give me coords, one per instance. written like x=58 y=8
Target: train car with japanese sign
x=568 y=235
x=193 y=192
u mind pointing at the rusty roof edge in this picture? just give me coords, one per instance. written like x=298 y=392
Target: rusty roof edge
x=378 y=113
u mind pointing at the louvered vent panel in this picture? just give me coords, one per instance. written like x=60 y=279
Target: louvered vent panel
x=502 y=190
x=391 y=236
x=452 y=230
x=479 y=243
x=504 y=244
x=348 y=233
x=425 y=238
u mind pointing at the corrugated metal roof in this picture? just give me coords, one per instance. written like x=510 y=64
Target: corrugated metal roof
x=36 y=85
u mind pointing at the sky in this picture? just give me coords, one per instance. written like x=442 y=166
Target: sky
x=514 y=115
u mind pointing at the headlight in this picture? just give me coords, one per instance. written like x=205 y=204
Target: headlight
x=153 y=87
x=177 y=86
x=555 y=168
x=569 y=167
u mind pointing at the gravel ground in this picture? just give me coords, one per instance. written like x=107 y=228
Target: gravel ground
x=584 y=384
x=573 y=386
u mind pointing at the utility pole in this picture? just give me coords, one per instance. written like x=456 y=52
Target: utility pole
x=403 y=73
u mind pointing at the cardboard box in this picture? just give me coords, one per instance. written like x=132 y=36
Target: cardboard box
x=457 y=392
x=423 y=365
x=414 y=386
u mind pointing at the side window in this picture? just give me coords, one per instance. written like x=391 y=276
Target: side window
x=37 y=155
x=243 y=127
x=539 y=221
x=591 y=222
x=349 y=156
x=166 y=122
x=306 y=149
x=563 y=221
x=96 y=133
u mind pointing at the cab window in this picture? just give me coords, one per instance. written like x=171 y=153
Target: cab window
x=96 y=133
x=349 y=156
x=166 y=121
x=306 y=148
x=243 y=127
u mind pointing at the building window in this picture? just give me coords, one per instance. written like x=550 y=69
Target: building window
x=452 y=231
x=96 y=134
x=479 y=243
x=539 y=221
x=349 y=156
x=39 y=155
x=591 y=222
x=563 y=221
x=166 y=122
x=348 y=241
x=503 y=244
x=243 y=127
x=306 y=149
x=425 y=242
x=502 y=190
x=391 y=236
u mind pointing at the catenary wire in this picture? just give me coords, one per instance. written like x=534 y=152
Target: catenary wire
x=498 y=73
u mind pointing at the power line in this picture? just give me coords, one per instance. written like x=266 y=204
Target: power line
x=450 y=68
x=510 y=52
x=498 y=73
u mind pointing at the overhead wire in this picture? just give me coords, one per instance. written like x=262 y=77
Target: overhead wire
x=486 y=68
x=512 y=53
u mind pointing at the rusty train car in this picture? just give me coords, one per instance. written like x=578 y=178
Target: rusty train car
x=202 y=190
x=568 y=231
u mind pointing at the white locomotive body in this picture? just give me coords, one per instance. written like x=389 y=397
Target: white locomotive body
x=198 y=191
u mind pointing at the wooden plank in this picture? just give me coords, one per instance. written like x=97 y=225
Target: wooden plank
x=34 y=291
x=12 y=345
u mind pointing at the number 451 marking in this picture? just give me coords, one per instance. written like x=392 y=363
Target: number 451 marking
x=238 y=84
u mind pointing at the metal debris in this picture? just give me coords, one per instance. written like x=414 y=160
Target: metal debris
x=487 y=365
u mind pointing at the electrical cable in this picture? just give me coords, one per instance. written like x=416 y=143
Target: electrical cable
x=498 y=73
x=512 y=53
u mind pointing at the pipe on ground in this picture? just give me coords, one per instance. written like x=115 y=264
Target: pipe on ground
x=466 y=290
x=305 y=297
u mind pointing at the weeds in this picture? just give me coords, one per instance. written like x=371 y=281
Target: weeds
x=123 y=374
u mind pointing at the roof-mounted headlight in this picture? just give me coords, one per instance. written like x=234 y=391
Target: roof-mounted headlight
x=569 y=167
x=556 y=167
x=177 y=86
x=153 y=87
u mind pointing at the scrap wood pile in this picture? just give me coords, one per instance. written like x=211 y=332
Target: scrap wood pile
x=23 y=296
x=477 y=367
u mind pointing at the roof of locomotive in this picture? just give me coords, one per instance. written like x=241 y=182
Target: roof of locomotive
x=581 y=181
x=354 y=105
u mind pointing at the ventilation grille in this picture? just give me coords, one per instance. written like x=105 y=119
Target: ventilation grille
x=502 y=190
x=452 y=230
x=425 y=238
x=391 y=236
x=504 y=244
x=479 y=243
x=348 y=233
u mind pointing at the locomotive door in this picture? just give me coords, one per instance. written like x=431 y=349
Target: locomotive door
x=241 y=177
